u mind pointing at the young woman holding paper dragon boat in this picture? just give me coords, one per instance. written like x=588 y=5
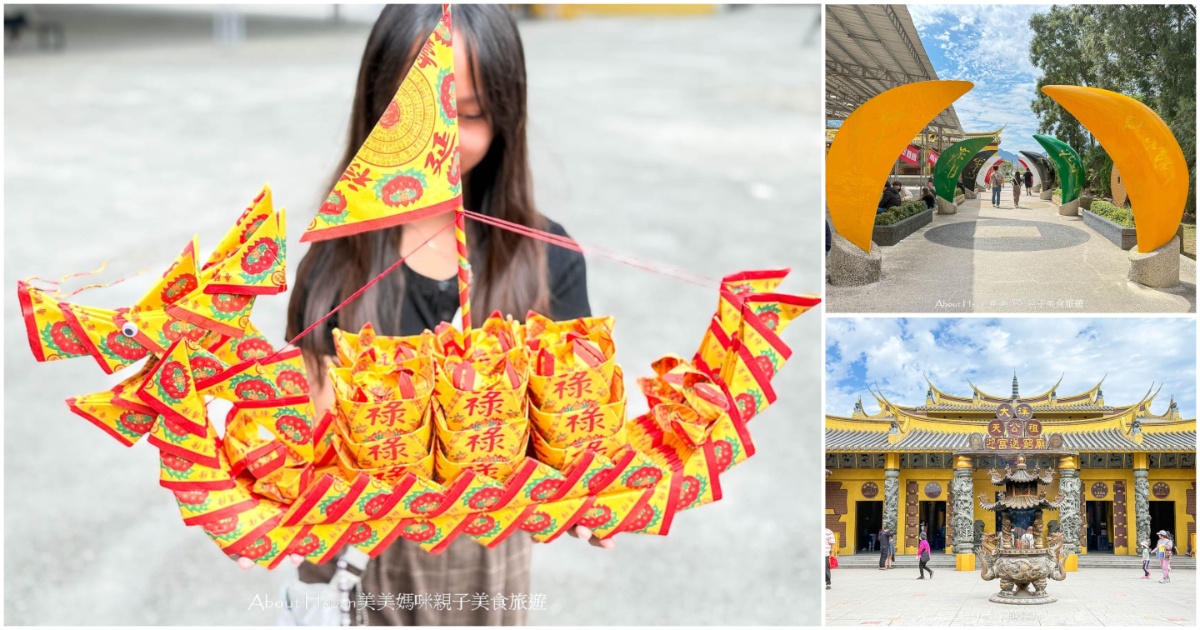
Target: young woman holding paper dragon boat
x=517 y=274
x=480 y=433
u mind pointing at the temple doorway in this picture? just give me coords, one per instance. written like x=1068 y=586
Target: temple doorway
x=868 y=516
x=1162 y=517
x=1099 y=526
x=933 y=515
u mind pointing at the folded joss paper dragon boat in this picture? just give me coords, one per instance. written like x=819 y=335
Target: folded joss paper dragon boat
x=480 y=432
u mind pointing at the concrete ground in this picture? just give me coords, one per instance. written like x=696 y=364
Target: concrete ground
x=1089 y=597
x=1006 y=260
x=691 y=141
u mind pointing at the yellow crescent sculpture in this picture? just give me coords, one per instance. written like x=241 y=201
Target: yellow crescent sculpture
x=1145 y=151
x=866 y=146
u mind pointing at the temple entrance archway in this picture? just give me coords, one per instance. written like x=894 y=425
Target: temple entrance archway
x=933 y=515
x=868 y=515
x=1099 y=526
x=1162 y=518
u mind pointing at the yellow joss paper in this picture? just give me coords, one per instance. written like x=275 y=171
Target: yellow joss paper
x=541 y=331
x=391 y=475
x=497 y=335
x=402 y=450
x=485 y=392
x=565 y=458
x=571 y=428
x=497 y=442
x=495 y=466
x=385 y=350
x=378 y=402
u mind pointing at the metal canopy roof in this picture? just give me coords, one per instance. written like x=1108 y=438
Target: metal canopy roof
x=870 y=49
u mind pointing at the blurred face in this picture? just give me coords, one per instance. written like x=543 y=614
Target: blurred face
x=474 y=129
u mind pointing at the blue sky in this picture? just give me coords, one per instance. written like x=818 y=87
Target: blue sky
x=893 y=353
x=989 y=46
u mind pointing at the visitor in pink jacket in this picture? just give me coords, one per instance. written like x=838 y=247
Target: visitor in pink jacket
x=923 y=554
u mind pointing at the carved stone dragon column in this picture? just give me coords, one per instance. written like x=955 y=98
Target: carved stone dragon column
x=963 y=488
x=1068 y=512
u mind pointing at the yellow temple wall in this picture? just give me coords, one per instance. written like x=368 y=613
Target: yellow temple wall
x=851 y=481
x=922 y=476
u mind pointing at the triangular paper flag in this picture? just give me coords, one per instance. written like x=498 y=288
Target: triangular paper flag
x=252 y=217
x=256 y=267
x=51 y=336
x=179 y=280
x=408 y=168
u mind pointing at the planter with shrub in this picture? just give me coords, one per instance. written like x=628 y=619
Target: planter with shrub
x=896 y=224
x=1111 y=222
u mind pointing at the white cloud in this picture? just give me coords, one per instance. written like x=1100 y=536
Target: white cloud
x=894 y=354
x=989 y=46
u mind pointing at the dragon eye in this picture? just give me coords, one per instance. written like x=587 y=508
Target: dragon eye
x=129 y=329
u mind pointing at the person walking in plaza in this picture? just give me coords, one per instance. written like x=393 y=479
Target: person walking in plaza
x=1146 y=559
x=1016 y=190
x=997 y=181
x=830 y=541
x=871 y=541
x=1028 y=181
x=1163 y=553
x=923 y=556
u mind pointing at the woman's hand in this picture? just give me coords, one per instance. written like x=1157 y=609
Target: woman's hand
x=246 y=563
x=579 y=531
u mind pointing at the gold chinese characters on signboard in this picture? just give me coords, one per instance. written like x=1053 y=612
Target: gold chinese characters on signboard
x=1013 y=429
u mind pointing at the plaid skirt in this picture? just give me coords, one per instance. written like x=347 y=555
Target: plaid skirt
x=466 y=585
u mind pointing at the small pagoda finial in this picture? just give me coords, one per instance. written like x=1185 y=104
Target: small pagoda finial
x=1016 y=396
x=1020 y=462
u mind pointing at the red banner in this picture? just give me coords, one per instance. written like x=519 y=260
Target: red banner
x=932 y=157
x=911 y=154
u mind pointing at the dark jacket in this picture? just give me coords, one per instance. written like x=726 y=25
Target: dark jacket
x=890 y=199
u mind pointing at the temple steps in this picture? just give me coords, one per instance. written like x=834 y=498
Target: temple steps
x=945 y=561
x=1109 y=561
x=937 y=560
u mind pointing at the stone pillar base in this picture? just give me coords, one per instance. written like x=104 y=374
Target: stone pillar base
x=1037 y=188
x=1071 y=564
x=1046 y=194
x=847 y=265
x=1158 y=269
x=964 y=562
x=1068 y=209
x=970 y=194
x=946 y=207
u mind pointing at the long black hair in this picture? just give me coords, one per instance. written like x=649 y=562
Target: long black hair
x=510 y=270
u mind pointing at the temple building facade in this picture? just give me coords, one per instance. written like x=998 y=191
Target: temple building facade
x=1122 y=472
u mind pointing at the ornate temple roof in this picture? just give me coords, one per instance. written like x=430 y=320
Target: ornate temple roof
x=926 y=441
x=1130 y=428
x=1047 y=401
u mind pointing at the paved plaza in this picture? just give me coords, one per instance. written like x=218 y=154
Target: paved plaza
x=1089 y=597
x=692 y=141
x=1006 y=259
